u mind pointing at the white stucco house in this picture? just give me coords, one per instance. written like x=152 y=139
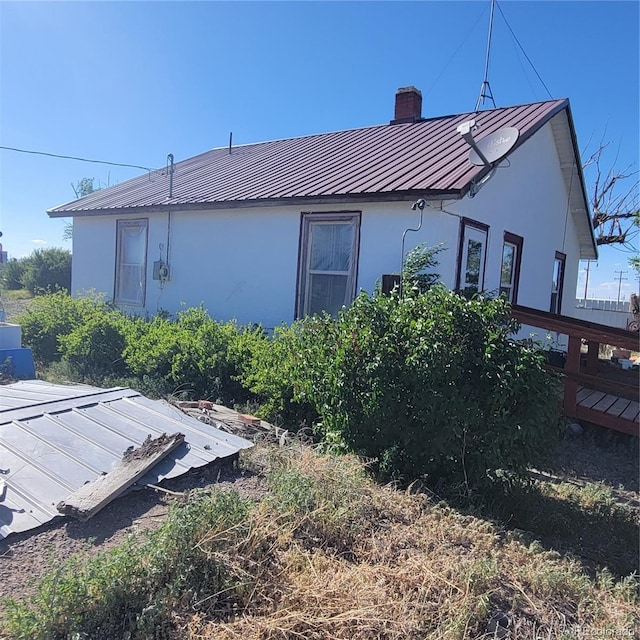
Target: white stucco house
x=268 y=232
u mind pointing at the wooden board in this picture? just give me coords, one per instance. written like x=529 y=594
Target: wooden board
x=93 y=496
x=631 y=412
x=592 y=399
x=583 y=394
x=618 y=407
x=605 y=403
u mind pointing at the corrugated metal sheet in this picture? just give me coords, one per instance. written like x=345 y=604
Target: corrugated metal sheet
x=388 y=160
x=55 y=438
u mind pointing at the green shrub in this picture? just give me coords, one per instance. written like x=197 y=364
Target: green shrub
x=268 y=370
x=430 y=385
x=190 y=353
x=54 y=315
x=95 y=347
x=12 y=274
x=47 y=270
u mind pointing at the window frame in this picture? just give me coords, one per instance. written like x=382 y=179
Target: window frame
x=561 y=259
x=121 y=225
x=465 y=224
x=307 y=219
x=517 y=242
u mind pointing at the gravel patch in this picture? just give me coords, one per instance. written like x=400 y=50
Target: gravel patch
x=14 y=307
x=26 y=557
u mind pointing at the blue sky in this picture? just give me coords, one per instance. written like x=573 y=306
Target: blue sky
x=129 y=82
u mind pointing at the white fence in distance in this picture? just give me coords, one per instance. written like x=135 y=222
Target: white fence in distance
x=607 y=312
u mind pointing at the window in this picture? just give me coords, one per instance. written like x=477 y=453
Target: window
x=471 y=256
x=131 y=261
x=510 y=267
x=327 y=262
x=557 y=283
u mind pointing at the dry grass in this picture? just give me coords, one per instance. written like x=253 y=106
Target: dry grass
x=328 y=554
x=15 y=303
x=334 y=556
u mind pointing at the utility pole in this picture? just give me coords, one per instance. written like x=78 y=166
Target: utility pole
x=620 y=279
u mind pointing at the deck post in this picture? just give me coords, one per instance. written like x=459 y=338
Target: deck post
x=571 y=383
x=606 y=398
x=592 y=357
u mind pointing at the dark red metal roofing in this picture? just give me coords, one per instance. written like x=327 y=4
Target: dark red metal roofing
x=385 y=161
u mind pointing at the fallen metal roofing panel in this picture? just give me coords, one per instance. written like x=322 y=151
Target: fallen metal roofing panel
x=425 y=156
x=55 y=438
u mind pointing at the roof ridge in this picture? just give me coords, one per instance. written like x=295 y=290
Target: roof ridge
x=373 y=126
x=319 y=165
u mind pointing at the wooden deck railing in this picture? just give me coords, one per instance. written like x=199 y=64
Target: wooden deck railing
x=616 y=403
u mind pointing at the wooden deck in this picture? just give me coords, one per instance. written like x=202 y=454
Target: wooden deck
x=607 y=410
x=593 y=392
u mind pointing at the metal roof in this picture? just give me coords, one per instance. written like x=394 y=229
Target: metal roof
x=55 y=438
x=380 y=162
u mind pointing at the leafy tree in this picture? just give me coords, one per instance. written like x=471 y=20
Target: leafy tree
x=417 y=268
x=12 y=274
x=82 y=188
x=634 y=261
x=47 y=270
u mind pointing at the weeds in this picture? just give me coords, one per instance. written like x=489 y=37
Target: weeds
x=584 y=520
x=328 y=554
x=128 y=591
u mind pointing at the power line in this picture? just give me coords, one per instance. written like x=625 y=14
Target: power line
x=57 y=155
x=523 y=51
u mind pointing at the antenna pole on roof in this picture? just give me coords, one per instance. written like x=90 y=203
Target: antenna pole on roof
x=485 y=89
x=230 y=140
x=170 y=171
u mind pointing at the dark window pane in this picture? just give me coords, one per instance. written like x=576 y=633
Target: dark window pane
x=508 y=255
x=474 y=253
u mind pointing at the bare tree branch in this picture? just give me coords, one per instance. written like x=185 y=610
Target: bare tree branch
x=615 y=206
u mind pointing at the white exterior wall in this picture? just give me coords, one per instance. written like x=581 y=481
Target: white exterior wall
x=529 y=199
x=93 y=259
x=243 y=263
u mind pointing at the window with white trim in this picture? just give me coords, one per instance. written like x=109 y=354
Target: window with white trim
x=328 y=260
x=131 y=262
x=510 y=266
x=472 y=256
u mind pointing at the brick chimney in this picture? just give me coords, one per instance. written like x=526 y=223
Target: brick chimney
x=408 y=105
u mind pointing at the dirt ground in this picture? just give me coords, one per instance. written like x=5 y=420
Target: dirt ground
x=594 y=456
x=14 y=307
x=26 y=557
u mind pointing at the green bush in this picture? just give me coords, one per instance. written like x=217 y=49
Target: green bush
x=430 y=385
x=47 y=270
x=49 y=317
x=268 y=370
x=192 y=354
x=95 y=347
x=12 y=274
